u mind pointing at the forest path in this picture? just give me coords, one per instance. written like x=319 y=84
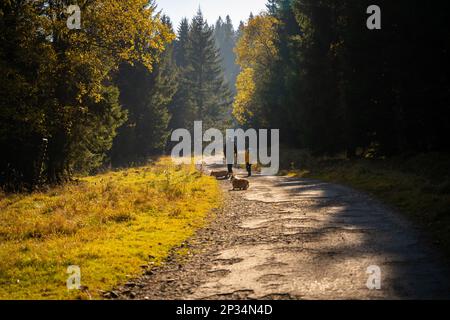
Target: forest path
x=292 y=238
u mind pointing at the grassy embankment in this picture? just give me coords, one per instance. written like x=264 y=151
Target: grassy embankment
x=109 y=225
x=418 y=187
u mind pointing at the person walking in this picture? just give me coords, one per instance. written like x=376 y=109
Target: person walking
x=248 y=165
x=230 y=165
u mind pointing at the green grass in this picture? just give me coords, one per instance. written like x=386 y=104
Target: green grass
x=418 y=186
x=108 y=225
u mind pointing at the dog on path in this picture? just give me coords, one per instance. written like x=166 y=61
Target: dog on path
x=239 y=184
x=220 y=174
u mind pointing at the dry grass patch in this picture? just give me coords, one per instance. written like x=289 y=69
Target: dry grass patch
x=108 y=225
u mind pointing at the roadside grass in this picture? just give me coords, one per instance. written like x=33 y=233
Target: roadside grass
x=109 y=225
x=418 y=186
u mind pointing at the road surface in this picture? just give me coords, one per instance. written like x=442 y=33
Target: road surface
x=293 y=238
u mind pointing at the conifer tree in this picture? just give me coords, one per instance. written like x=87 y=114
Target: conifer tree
x=181 y=108
x=146 y=97
x=210 y=94
x=225 y=37
x=59 y=107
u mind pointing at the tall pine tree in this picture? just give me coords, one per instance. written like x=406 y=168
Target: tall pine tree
x=210 y=94
x=225 y=37
x=182 y=108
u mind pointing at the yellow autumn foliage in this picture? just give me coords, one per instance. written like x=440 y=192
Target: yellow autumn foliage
x=255 y=50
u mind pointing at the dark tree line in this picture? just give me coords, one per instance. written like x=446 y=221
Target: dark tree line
x=334 y=85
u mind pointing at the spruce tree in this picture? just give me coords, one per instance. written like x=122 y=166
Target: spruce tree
x=181 y=44
x=271 y=6
x=210 y=94
x=240 y=30
x=182 y=108
x=226 y=41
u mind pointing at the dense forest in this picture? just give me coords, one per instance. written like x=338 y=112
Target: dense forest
x=107 y=94
x=315 y=71
x=111 y=92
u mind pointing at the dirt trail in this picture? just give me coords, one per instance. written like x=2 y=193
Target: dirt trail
x=289 y=238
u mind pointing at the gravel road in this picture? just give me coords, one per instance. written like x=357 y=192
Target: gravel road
x=291 y=238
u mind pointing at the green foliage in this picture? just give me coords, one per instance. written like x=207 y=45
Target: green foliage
x=203 y=93
x=94 y=134
x=334 y=86
x=226 y=38
x=59 y=111
x=146 y=97
x=182 y=108
x=210 y=94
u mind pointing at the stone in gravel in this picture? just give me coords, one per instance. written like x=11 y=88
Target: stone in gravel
x=130 y=284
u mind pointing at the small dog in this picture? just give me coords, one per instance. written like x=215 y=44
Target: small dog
x=239 y=184
x=220 y=174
